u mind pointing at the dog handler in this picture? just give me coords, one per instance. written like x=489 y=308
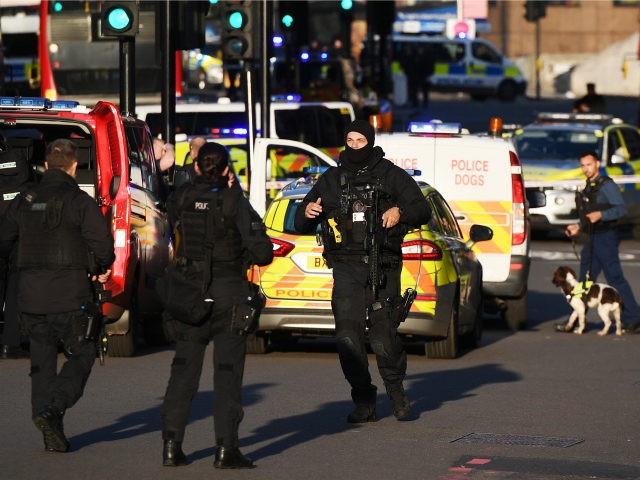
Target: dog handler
x=600 y=205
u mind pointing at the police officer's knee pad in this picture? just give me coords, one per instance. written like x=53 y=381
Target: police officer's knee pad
x=382 y=337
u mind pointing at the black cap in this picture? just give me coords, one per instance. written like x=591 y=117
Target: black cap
x=364 y=128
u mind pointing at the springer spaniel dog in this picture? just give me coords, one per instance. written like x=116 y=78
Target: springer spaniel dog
x=584 y=295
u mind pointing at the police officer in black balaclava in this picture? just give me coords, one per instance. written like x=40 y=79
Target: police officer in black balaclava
x=338 y=201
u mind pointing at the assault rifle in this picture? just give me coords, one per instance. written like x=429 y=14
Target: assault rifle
x=400 y=306
x=95 y=321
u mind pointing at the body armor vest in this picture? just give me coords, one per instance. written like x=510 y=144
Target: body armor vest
x=349 y=228
x=206 y=222
x=587 y=202
x=48 y=238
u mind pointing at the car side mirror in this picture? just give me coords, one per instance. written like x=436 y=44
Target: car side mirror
x=479 y=233
x=617 y=159
x=113 y=186
x=536 y=198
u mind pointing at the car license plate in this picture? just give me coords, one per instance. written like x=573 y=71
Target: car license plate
x=316 y=262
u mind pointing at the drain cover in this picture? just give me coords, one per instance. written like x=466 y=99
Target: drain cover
x=525 y=440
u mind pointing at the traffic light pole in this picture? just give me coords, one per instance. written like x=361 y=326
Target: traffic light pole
x=128 y=75
x=168 y=89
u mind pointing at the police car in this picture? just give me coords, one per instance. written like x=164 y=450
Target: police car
x=550 y=149
x=116 y=166
x=472 y=66
x=437 y=262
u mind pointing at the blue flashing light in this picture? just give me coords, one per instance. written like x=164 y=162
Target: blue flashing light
x=435 y=127
x=304 y=56
x=240 y=131
x=413 y=172
x=324 y=56
x=278 y=41
x=64 y=104
x=289 y=97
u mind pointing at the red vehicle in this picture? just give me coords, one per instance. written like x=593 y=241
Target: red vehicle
x=117 y=167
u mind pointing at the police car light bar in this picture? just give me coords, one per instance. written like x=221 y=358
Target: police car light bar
x=435 y=127
x=289 y=97
x=576 y=117
x=37 y=103
x=413 y=172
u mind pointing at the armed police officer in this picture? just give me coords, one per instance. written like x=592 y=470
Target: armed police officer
x=219 y=234
x=600 y=205
x=365 y=207
x=56 y=226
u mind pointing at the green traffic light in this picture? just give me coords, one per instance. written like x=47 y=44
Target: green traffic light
x=57 y=7
x=287 y=20
x=119 y=19
x=346 y=4
x=236 y=20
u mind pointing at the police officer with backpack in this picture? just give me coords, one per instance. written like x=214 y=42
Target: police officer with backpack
x=57 y=228
x=14 y=179
x=366 y=200
x=218 y=235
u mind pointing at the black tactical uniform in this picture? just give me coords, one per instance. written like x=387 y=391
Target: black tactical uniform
x=14 y=179
x=56 y=225
x=239 y=239
x=345 y=209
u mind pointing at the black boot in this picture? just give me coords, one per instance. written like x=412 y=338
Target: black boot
x=363 y=413
x=172 y=454
x=231 y=458
x=49 y=422
x=399 y=400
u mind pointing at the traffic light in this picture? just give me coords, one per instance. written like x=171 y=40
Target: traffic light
x=190 y=24
x=120 y=19
x=238 y=25
x=534 y=10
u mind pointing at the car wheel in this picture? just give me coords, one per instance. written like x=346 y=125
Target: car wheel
x=447 y=347
x=256 y=345
x=474 y=337
x=507 y=91
x=515 y=314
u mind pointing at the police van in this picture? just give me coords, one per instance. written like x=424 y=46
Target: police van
x=117 y=167
x=480 y=177
x=472 y=66
x=320 y=124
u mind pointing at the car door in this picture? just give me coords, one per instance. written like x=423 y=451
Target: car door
x=458 y=259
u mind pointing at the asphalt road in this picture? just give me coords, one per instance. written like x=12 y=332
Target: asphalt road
x=528 y=405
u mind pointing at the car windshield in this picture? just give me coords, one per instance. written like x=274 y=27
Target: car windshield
x=556 y=144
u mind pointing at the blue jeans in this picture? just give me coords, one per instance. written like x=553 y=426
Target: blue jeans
x=605 y=257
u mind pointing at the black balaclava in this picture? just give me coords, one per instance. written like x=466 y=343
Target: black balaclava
x=356 y=159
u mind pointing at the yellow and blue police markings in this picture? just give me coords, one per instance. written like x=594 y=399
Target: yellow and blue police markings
x=444 y=72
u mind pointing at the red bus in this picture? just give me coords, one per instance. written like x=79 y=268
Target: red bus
x=77 y=61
